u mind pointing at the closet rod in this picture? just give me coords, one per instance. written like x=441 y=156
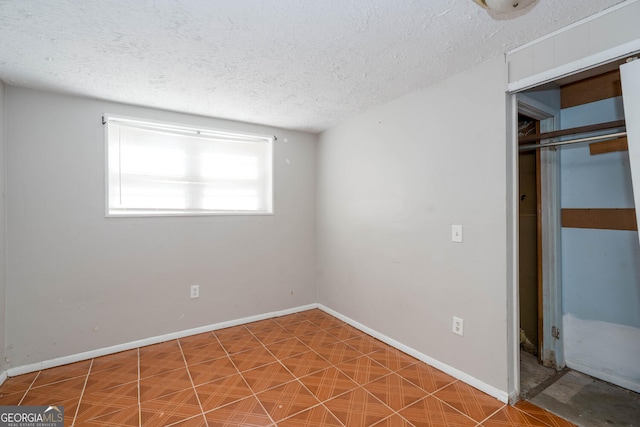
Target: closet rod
x=573 y=141
x=573 y=131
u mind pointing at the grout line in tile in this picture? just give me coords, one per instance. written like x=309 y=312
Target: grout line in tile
x=328 y=410
x=444 y=386
x=73 y=422
x=532 y=416
x=295 y=378
x=190 y=418
x=192 y=383
x=139 y=404
x=29 y=388
x=303 y=384
x=305 y=409
x=333 y=365
x=309 y=408
x=398 y=414
x=56 y=382
x=495 y=412
x=245 y=381
x=457 y=410
x=393 y=410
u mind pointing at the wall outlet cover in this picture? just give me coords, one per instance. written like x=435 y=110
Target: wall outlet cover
x=458 y=326
x=195 y=291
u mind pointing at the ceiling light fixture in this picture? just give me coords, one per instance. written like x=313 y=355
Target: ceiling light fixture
x=504 y=6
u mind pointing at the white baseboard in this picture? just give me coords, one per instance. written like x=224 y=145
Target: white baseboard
x=462 y=376
x=502 y=396
x=19 y=370
x=596 y=373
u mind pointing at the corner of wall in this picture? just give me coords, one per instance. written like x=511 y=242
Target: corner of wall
x=316 y=148
x=375 y=229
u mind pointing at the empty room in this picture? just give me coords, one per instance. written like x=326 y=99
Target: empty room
x=330 y=213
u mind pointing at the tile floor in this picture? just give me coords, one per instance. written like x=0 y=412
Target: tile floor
x=303 y=369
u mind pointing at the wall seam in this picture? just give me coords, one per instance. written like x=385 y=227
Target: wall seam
x=3 y=259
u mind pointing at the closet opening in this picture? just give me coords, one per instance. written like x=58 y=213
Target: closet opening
x=529 y=238
x=579 y=252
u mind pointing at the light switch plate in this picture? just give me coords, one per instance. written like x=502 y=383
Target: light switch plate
x=456 y=233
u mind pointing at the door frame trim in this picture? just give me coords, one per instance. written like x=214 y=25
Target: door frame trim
x=552 y=350
x=549 y=117
x=513 y=315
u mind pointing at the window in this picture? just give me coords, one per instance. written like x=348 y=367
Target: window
x=161 y=169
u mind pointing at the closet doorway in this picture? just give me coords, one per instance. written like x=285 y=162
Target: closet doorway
x=587 y=258
x=529 y=241
x=539 y=296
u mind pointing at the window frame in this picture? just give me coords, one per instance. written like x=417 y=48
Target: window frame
x=184 y=127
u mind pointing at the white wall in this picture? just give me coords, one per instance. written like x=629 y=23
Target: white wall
x=78 y=281
x=391 y=182
x=600 y=268
x=586 y=43
x=2 y=230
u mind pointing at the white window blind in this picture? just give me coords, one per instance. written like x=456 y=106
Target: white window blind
x=157 y=169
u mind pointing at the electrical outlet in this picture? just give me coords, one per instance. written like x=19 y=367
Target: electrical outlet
x=195 y=291
x=458 y=326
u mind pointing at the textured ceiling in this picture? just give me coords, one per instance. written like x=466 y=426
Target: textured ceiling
x=297 y=64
